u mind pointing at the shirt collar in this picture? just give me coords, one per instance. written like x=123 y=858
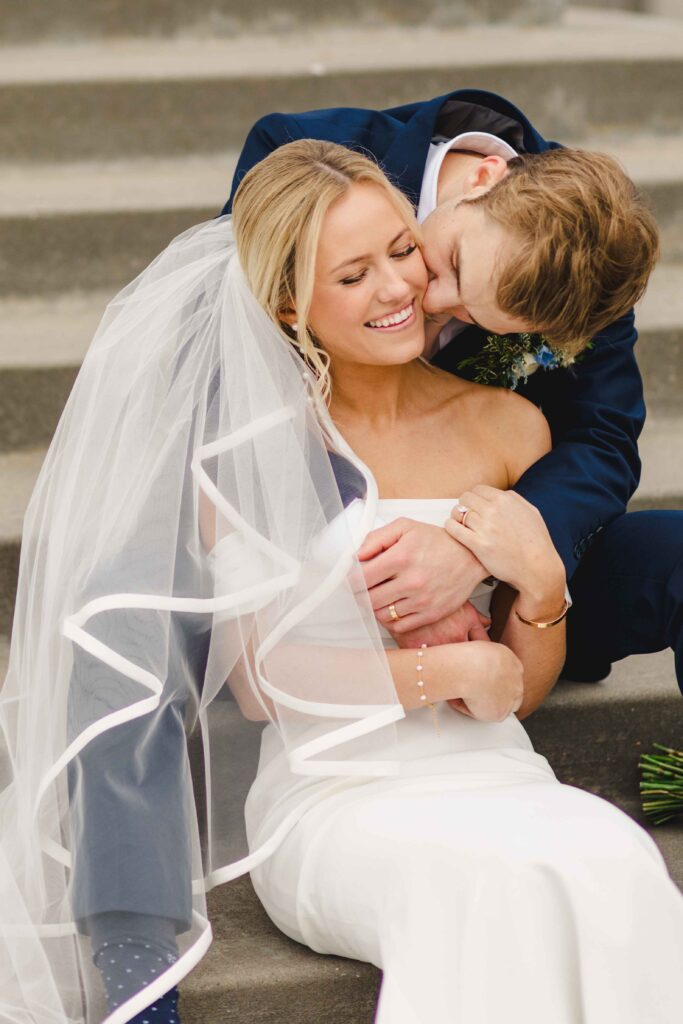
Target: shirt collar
x=480 y=142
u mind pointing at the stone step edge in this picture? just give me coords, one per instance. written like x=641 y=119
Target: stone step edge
x=584 y=37
x=115 y=19
x=142 y=184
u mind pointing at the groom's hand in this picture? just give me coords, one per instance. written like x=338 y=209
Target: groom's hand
x=420 y=571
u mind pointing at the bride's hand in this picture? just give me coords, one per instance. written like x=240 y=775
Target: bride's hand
x=508 y=536
x=494 y=688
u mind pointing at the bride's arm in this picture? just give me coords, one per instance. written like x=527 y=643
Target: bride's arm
x=486 y=677
x=485 y=680
x=508 y=535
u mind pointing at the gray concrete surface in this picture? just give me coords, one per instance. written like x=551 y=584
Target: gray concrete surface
x=71 y=19
x=161 y=97
x=253 y=974
x=88 y=225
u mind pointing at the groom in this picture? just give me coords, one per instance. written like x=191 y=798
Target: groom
x=625 y=570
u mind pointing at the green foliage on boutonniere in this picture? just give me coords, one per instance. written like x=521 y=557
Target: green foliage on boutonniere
x=506 y=360
x=661 y=785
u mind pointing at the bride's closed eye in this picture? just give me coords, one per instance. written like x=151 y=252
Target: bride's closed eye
x=400 y=255
x=408 y=251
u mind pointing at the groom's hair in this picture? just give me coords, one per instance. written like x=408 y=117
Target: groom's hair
x=585 y=242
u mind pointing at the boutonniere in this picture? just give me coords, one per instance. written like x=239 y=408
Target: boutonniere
x=506 y=360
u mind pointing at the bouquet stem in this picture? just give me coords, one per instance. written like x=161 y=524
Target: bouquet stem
x=661 y=784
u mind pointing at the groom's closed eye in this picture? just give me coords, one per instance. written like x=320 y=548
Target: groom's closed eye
x=456 y=264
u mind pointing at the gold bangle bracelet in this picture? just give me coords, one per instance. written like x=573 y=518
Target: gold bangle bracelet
x=546 y=625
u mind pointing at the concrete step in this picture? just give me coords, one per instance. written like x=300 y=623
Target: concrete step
x=95 y=224
x=661 y=451
x=43 y=341
x=18 y=473
x=255 y=975
x=107 y=100
x=592 y=734
x=660 y=346
x=71 y=20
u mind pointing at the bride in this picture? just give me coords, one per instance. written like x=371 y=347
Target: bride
x=251 y=409
x=483 y=888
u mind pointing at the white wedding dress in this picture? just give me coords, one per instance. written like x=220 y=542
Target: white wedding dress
x=484 y=889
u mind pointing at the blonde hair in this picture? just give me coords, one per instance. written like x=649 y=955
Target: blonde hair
x=585 y=243
x=278 y=213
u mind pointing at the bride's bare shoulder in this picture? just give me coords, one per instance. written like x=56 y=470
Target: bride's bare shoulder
x=518 y=425
x=512 y=424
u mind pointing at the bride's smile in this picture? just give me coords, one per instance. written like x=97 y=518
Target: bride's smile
x=394 y=321
x=370 y=280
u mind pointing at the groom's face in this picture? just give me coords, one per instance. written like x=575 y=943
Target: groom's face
x=464 y=250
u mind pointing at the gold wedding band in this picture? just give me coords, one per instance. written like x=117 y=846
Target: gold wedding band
x=464 y=517
x=394 y=614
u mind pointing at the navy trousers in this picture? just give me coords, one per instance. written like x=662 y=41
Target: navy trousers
x=628 y=595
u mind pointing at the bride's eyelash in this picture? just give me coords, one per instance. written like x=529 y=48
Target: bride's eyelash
x=354 y=280
x=408 y=251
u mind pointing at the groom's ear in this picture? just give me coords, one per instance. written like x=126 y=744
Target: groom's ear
x=484 y=175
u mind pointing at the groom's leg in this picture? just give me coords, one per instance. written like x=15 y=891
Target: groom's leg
x=628 y=595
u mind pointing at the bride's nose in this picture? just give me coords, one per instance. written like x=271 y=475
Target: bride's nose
x=393 y=284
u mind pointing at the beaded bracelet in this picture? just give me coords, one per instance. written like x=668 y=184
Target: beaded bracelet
x=423 y=695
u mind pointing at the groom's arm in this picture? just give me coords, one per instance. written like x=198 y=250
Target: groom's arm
x=369 y=131
x=267 y=135
x=596 y=412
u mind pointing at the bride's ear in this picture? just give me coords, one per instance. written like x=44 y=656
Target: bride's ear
x=287 y=318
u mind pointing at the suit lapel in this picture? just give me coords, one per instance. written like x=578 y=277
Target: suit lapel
x=463 y=345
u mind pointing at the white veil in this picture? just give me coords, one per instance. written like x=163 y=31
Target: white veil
x=187 y=528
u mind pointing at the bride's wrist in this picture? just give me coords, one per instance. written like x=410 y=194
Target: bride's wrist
x=447 y=670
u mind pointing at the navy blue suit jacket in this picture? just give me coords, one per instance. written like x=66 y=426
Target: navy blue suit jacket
x=595 y=410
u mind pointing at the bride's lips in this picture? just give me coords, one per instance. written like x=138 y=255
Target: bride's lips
x=392 y=328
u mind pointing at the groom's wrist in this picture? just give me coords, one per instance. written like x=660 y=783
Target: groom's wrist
x=543 y=600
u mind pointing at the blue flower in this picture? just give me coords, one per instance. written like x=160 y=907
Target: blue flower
x=545 y=357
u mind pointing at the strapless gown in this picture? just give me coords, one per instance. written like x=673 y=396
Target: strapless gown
x=484 y=889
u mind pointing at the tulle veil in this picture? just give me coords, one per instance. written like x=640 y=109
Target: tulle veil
x=187 y=522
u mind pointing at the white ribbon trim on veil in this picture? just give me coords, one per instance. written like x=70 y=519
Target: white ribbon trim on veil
x=371 y=717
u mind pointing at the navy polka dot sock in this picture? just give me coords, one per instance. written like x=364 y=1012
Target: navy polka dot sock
x=131 y=958
x=164 y=1011
x=129 y=965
